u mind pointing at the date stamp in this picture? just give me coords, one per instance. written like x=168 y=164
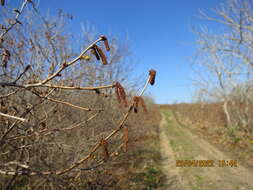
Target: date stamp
x=206 y=163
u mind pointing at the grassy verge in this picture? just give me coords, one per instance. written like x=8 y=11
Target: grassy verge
x=138 y=168
x=146 y=173
x=228 y=139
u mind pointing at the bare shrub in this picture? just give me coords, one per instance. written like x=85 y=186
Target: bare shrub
x=55 y=131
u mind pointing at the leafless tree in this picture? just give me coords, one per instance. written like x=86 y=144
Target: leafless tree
x=224 y=62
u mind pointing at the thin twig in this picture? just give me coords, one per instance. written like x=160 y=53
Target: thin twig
x=21 y=74
x=7 y=95
x=93 y=150
x=16 y=19
x=98 y=145
x=77 y=87
x=46 y=132
x=65 y=65
x=22 y=115
x=13 y=117
x=67 y=103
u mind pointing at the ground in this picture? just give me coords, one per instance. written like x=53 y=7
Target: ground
x=177 y=142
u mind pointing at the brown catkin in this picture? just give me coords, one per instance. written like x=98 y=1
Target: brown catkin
x=107 y=47
x=139 y=100
x=136 y=103
x=143 y=105
x=152 y=74
x=102 y=55
x=104 y=144
x=94 y=52
x=117 y=93
x=121 y=95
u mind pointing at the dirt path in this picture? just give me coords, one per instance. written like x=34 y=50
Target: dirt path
x=178 y=143
x=168 y=166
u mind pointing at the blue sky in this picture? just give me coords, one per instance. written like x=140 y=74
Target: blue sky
x=159 y=32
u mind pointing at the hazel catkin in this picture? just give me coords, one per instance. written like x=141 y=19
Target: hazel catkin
x=120 y=93
x=107 y=47
x=152 y=75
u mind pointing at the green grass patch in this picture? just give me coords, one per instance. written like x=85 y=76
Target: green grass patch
x=149 y=179
x=199 y=179
x=177 y=139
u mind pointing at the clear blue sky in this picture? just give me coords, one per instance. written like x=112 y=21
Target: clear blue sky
x=159 y=32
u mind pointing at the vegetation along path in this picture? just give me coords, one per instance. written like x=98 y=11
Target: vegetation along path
x=205 y=170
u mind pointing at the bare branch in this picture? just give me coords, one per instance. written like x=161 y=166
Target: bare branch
x=13 y=117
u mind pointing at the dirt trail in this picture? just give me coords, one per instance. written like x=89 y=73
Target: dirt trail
x=168 y=166
x=178 y=143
